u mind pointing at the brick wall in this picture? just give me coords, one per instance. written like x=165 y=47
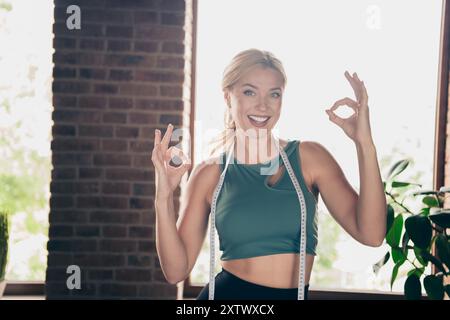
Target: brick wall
x=115 y=80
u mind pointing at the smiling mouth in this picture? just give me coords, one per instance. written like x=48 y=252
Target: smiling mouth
x=259 y=120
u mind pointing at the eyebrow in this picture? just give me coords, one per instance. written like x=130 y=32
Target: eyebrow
x=250 y=85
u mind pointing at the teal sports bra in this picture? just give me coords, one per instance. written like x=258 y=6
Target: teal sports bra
x=256 y=219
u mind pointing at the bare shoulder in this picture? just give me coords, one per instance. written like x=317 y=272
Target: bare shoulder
x=317 y=159
x=206 y=175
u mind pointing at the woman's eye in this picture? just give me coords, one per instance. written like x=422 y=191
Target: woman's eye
x=276 y=95
x=248 y=92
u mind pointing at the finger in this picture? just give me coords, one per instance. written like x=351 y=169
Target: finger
x=173 y=152
x=166 y=139
x=157 y=158
x=345 y=102
x=335 y=118
x=354 y=84
x=157 y=139
x=365 y=96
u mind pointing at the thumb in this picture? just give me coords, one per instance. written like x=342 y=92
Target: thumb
x=334 y=118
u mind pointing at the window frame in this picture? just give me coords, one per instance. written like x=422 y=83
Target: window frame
x=190 y=291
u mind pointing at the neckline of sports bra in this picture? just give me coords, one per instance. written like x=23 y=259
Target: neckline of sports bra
x=234 y=160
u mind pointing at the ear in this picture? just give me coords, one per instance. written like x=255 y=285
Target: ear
x=226 y=97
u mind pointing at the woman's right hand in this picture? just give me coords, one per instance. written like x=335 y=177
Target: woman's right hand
x=167 y=177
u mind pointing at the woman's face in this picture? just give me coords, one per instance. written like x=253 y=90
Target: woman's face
x=256 y=99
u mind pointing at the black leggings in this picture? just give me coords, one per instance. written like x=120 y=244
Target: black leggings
x=230 y=287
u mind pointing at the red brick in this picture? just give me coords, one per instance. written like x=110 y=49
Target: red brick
x=111 y=245
x=120 y=103
x=159 y=32
x=95 y=131
x=64 y=43
x=171 y=91
x=114 y=117
x=116 y=188
x=114 y=231
x=141 y=203
x=145 y=46
x=155 y=104
x=142 y=118
x=59 y=202
x=106 y=88
x=140 y=232
x=63 y=159
x=173 y=47
x=136 y=275
x=90 y=173
x=60 y=86
x=59 y=231
x=63 y=173
x=62 y=101
x=140 y=261
x=89 y=73
x=109 y=145
x=92 y=44
x=60 y=72
x=74 y=144
x=119 y=31
x=76 y=116
x=99 y=260
x=119 y=45
x=127 y=132
x=115 y=289
x=121 y=75
x=145 y=17
x=112 y=160
x=92 y=102
x=138 y=89
x=141 y=146
x=114 y=217
x=170 y=62
x=67 y=216
x=174 y=19
x=170 y=118
x=87 y=231
x=159 y=76
x=63 y=130
x=143 y=161
x=129 y=174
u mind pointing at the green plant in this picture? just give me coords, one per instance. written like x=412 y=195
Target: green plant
x=411 y=234
x=4 y=237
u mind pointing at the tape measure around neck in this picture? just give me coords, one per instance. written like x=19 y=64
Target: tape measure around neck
x=212 y=229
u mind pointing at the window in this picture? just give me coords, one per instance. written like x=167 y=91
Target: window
x=25 y=132
x=394 y=47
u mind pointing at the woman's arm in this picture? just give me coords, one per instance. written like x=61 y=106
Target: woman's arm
x=371 y=207
x=363 y=216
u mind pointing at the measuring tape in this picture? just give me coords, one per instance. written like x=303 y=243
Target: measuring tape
x=212 y=229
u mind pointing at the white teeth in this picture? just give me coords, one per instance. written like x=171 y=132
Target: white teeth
x=258 y=119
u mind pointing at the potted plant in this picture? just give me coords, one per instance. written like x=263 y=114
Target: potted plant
x=411 y=238
x=4 y=236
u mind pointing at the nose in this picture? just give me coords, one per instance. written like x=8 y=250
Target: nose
x=263 y=104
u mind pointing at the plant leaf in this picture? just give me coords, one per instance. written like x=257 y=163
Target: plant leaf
x=441 y=218
x=399 y=184
x=418 y=254
x=405 y=240
x=394 y=274
x=377 y=266
x=417 y=271
x=430 y=201
x=394 y=234
x=397 y=168
x=398 y=256
x=390 y=218
x=419 y=230
x=428 y=257
x=413 y=288
x=443 y=249
x=434 y=287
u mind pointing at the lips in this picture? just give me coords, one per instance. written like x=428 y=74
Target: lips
x=258 y=121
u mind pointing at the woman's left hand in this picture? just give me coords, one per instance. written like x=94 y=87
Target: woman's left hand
x=357 y=126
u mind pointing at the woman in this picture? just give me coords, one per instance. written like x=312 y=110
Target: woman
x=258 y=215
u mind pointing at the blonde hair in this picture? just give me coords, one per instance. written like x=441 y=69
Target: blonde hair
x=239 y=65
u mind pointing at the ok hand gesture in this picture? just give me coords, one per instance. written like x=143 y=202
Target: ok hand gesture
x=167 y=176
